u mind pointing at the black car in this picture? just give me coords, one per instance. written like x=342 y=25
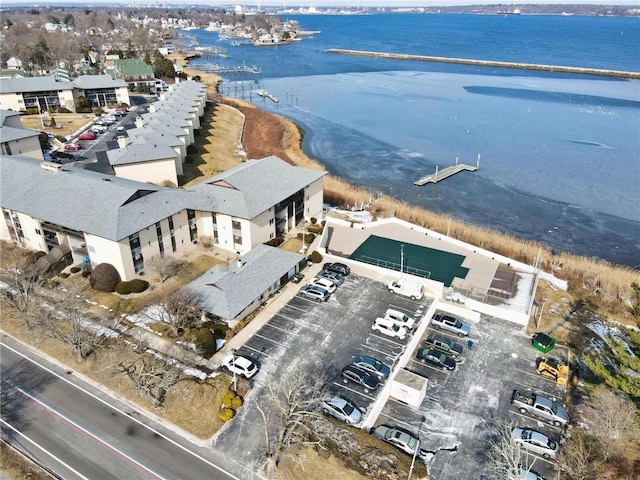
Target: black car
x=357 y=375
x=444 y=344
x=340 y=268
x=436 y=358
x=297 y=278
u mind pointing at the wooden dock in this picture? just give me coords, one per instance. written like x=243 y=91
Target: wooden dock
x=447 y=172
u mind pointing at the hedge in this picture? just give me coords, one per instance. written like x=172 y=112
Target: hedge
x=227 y=414
x=138 y=285
x=123 y=288
x=315 y=257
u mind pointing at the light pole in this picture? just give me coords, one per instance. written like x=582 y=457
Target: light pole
x=413 y=460
x=233 y=362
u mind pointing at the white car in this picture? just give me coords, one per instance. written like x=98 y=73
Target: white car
x=402 y=319
x=536 y=442
x=389 y=327
x=325 y=283
x=240 y=365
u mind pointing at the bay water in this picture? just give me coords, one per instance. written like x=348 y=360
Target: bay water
x=559 y=153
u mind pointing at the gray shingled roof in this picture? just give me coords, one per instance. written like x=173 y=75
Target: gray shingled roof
x=38 y=84
x=9 y=134
x=241 y=192
x=162 y=128
x=4 y=114
x=84 y=200
x=228 y=290
x=141 y=152
x=165 y=118
x=90 y=82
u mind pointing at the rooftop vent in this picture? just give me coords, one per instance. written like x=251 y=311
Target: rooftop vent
x=52 y=167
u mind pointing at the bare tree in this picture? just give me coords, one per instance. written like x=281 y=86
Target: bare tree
x=22 y=290
x=613 y=421
x=291 y=407
x=152 y=377
x=578 y=458
x=505 y=455
x=67 y=320
x=181 y=309
x=165 y=267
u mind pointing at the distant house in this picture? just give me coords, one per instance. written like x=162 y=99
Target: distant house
x=232 y=292
x=15 y=140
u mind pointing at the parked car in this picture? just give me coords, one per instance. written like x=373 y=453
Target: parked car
x=444 y=344
x=72 y=146
x=402 y=319
x=314 y=293
x=389 y=327
x=333 y=276
x=450 y=324
x=119 y=113
x=61 y=155
x=240 y=365
x=436 y=358
x=109 y=120
x=324 y=283
x=297 y=278
x=523 y=474
x=341 y=408
x=354 y=374
x=371 y=365
x=340 y=268
x=98 y=128
x=536 y=442
x=399 y=438
x=87 y=136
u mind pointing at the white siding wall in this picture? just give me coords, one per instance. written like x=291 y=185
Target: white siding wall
x=261 y=229
x=28 y=147
x=153 y=172
x=313 y=206
x=117 y=254
x=11 y=101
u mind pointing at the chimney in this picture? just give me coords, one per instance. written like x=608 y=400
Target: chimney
x=152 y=107
x=163 y=96
x=139 y=123
x=122 y=142
x=177 y=79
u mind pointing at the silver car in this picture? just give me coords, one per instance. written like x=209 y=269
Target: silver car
x=342 y=409
x=536 y=442
x=450 y=324
x=399 y=438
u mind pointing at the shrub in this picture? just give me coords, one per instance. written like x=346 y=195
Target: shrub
x=323 y=223
x=313 y=220
x=64 y=275
x=228 y=395
x=123 y=288
x=206 y=241
x=74 y=269
x=314 y=228
x=104 y=277
x=138 y=286
x=275 y=242
x=86 y=273
x=236 y=402
x=315 y=257
x=32 y=111
x=227 y=414
x=308 y=237
x=63 y=110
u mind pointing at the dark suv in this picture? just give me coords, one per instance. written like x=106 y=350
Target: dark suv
x=340 y=268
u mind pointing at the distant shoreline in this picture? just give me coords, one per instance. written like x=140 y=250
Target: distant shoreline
x=490 y=63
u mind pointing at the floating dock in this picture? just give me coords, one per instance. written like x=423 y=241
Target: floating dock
x=264 y=94
x=490 y=63
x=447 y=172
x=222 y=69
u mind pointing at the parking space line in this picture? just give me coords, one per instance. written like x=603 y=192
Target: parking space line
x=267 y=338
x=257 y=351
x=424 y=364
x=386 y=339
x=295 y=320
x=539 y=390
x=283 y=330
x=386 y=354
x=541 y=377
x=293 y=307
x=342 y=385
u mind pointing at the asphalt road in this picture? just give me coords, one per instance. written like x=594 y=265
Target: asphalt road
x=66 y=426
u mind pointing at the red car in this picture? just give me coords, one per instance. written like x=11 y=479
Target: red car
x=72 y=146
x=87 y=136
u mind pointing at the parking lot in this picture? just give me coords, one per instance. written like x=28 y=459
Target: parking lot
x=455 y=420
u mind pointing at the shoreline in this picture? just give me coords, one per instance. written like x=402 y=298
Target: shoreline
x=603 y=285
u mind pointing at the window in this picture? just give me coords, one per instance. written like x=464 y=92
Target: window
x=38 y=232
x=271 y=221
